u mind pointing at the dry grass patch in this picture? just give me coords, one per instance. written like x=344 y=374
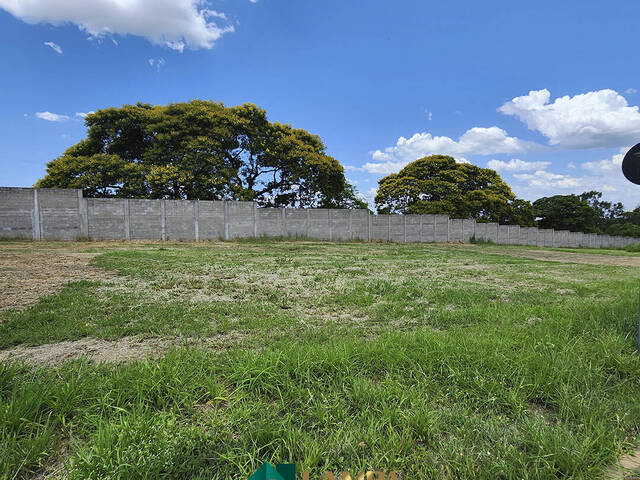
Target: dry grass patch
x=123 y=350
x=26 y=276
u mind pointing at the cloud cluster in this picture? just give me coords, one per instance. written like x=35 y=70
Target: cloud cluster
x=477 y=140
x=547 y=179
x=595 y=119
x=174 y=23
x=516 y=165
x=598 y=119
x=603 y=175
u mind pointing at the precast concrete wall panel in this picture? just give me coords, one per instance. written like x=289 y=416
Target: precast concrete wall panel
x=145 y=219
x=455 y=230
x=240 y=218
x=17 y=213
x=107 y=218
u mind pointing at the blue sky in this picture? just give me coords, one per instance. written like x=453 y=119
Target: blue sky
x=545 y=92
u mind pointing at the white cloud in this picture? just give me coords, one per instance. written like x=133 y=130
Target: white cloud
x=54 y=46
x=157 y=63
x=52 y=117
x=84 y=114
x=174 y=23
x=601 y=175
x=607 y=164
x=384 y=168
x=516 y=165
x=630 y=91
x=595 y=119
x=477 y=140
x=544 y=178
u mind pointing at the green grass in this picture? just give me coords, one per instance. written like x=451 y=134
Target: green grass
x=434 y=361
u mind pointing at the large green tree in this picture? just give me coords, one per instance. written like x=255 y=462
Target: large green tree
x=566 y=212
x=438 y=184
x=201 y=150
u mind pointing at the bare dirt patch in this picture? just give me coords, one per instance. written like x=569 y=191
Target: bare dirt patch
x=628 y=469
x=570 y=257
x=27 y=275
x=103 y=351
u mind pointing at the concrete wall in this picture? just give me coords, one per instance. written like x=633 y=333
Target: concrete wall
x=17 y=213
x=58 y=214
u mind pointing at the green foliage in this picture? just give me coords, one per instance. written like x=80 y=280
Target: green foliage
x=626 y=229
x=566 y=212
x=201 y=150
x=480 y=241
x=633 y=216
x=607 y=213
x=437 y=184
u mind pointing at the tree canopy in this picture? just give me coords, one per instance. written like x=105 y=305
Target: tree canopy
x=201 y=150
x=566 y=212
x=438 y=184
x=587 y=213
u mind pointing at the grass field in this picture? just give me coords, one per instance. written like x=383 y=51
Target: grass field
x=437 y=361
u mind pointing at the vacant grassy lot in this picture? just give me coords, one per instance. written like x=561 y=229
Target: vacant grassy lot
x=203 y=361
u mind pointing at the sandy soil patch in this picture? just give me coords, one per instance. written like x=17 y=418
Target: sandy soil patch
x=570 y=257
x=26 y=276
x=629 y=468
x=105 y=351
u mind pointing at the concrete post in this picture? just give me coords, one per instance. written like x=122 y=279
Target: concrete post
x=163 y=213
x=404 y=226
x=255 y=220
x=283 y=223
x=448 y=229
x=127 y=220
x=82 y=215
x=225 y=208
x=36 y=220
x=196 y=219
x=350 y=231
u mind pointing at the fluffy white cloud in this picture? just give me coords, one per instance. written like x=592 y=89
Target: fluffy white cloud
x=84 y=114
x=54 y=46
x=516 y=165
x=174 y=23
x=595 y=119
x=608 y=164
x=548 y=179
x=52 y=117
x=477 y=140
